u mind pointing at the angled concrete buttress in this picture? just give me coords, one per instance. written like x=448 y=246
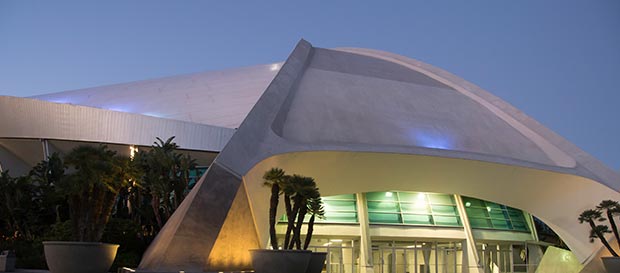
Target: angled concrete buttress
x=360 y=120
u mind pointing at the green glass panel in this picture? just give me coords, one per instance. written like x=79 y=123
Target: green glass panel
x=390 y=218
x=522 y=226
x=501 y=224
x=496 y=213
x=381 y=196
x=473 y=202
x=480 y=223
x=477 y=212
x=340 y=197
x=415 y=208
x=412 y=197
x=417 y=219
x=442 y=209
x=374 y=206
x=494 y=206
x=340 y=217
x=445 y=199
x=447 y=220
x=331 y=205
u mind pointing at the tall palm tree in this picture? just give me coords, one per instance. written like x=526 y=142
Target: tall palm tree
x=274 y=179
x=611 y=208
x=597 y=231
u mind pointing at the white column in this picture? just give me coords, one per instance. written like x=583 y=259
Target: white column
x=366 y=265
x=532 y=225
x=46 y=149
x=470 y=257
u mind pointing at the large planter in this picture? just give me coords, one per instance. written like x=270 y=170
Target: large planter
x=280 y=261
x=612 y=264
x=79 y=257
x=317 y=261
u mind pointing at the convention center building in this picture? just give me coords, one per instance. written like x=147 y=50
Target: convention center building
x=420 y=171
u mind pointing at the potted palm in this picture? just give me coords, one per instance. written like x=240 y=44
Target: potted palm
x=94 y=177
x=300 y=198
x=591 y=217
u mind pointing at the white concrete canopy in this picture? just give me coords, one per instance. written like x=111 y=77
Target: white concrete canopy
x=363 y=120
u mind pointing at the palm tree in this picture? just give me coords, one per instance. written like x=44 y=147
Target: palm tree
x=303 y=189
x=274 y=179
x=611 y=208
x=315 y=208
x=95 y=177
x=597 y=231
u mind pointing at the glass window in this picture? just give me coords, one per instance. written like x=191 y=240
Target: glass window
x=389 y=218
x=486 y=214
x=339 y=209
x=412 y=208
x=417 y=219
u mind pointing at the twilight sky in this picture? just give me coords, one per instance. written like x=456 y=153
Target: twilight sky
x=556 y=60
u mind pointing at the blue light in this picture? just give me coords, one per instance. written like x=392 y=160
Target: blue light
x=150 y=114
x=433 y=140
x=117 y=109
x=59 y=100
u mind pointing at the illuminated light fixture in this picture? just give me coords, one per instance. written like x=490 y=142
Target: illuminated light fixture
x=414 y=246
x=274 y=67
x=421 y=196
x=421 y=202
x=336 y=240
x=488 y=208
x=467 y=204
x=327 y=244
x=388 y=194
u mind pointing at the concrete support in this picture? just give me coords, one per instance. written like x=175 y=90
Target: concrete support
x=366 y=265
x=470 y=255
x=46 y=148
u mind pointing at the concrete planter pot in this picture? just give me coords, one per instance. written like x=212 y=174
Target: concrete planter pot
x=317 y=261
x=79 y=257
x=612 y=264
x=280 y=261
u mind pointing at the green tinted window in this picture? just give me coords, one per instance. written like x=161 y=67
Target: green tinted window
x=485 y=214
x=388 y=218
x=447 y=220
x=412 y=208
x=339 y=209
x=417 y=219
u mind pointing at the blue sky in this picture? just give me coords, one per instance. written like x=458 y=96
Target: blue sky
x=558 y=61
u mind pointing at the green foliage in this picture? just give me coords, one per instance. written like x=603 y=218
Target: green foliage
x=95 y=177
x=128 y=234
x=89 y=185
x=165 y=178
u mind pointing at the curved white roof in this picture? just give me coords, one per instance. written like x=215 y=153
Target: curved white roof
x=218 y=98
x=362 y=120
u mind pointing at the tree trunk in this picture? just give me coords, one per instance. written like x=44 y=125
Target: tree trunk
x=300 y=221
x=309 y=233
x=155 y=206
x=601 y=237
x=273 y=209
x=614 y=228
x=290 y=223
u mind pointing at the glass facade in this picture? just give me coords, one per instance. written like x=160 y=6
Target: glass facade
x=340 y=209
x=489 y=215
x=412 y=208
x=419 y=253
x=195 y=174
